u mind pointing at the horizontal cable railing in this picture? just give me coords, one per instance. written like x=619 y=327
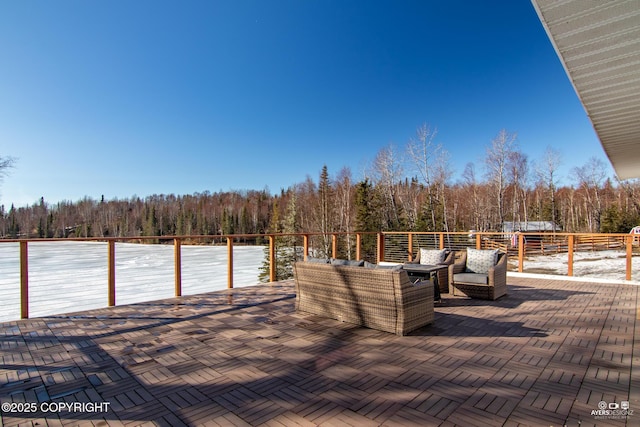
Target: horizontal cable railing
x=373 y=247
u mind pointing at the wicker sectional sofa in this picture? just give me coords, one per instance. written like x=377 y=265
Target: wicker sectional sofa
x=378 y=298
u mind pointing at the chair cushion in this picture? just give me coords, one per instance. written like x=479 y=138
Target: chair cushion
x=480 y=260
x=432 y=256
x=475 y=278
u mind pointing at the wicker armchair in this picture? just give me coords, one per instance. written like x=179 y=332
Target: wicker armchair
x=474 y=282
x=443 y=275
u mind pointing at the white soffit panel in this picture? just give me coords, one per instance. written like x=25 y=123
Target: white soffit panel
x=598 y=42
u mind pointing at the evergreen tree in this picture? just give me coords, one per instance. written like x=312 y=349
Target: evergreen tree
x=227 y=223
x=324 y=195
x=245 y=223
x=366 y=218
x=41 y=232
x=14 y=228
x=274 y=227
x=286 y=250
x=431 y=216
x=614 y=220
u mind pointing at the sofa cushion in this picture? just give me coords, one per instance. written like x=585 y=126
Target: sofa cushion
x=432 y=256
x=392 y=267
x=354 y=263
x=481 y=260
x=317 y=260
x=475 y=278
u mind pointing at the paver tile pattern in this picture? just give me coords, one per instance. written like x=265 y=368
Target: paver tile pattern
x=550 y=353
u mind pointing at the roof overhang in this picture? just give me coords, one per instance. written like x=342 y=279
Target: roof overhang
x=598 y=43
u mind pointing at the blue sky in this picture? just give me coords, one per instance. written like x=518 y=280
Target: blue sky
x=125 y=98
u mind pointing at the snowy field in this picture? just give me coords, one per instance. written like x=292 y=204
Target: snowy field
x=610 y=265
x=72 y=276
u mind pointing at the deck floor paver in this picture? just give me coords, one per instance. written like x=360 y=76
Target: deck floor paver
x=550 y=353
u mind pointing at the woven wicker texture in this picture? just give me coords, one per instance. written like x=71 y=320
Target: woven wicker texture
x=376 y=298
x=496 y=280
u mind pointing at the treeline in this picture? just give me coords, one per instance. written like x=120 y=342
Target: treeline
x=242 y=212
x=331 y=204
x=386 y=199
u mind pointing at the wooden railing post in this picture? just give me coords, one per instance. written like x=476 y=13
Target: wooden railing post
x=111 y=274
x=334 y=245
x=24 y=281
x=410 y=247
x=478 y=241
x=305 y=246
x=229 y=262
x=358 y=246
x=272 y=258
x=441 y=244
x=570 y=255
x=520 y=252
x=629 y=255
x=177 y=266
x=380 y=255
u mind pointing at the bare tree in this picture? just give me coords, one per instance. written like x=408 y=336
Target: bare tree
x=387 y=173
x=590 y=178
x=307 y=202
x=632 y=189
x=442 y=175
x=422 y=152
x=413 y=201
x=517 y=173
x=498 y=156
x=547 y=176
x=6 y=163
x=432 y=164
x=344 y=206
x=472 y=197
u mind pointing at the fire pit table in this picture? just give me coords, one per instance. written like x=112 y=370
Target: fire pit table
x=425 y=272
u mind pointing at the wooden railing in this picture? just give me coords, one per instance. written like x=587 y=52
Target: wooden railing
x=389 y=246
x=523 y=244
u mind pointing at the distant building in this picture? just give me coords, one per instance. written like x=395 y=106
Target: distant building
x=635 y=231
x=511 y=227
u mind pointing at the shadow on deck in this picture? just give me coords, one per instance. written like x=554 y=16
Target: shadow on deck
x=546 y=354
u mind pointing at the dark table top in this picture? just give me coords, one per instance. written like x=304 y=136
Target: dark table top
x=422 y=268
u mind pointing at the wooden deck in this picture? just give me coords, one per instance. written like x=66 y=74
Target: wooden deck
x=548 y=354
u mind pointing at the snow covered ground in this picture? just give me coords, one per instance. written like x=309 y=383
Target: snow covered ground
x=609 y=265
x=72 y=276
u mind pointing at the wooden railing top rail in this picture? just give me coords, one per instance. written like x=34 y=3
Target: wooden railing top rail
x=181 y=237
x=313 y=233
